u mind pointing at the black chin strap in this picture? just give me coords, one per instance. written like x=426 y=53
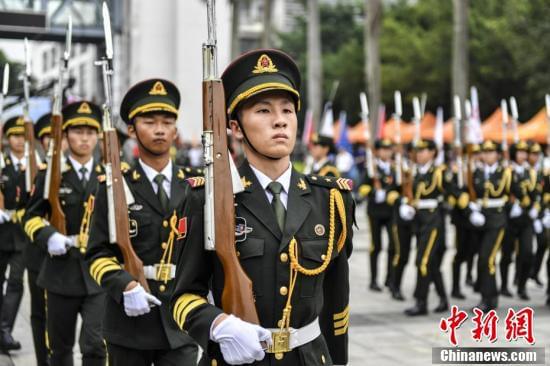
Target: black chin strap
x=247 y=141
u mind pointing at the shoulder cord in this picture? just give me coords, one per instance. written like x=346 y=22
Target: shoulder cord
x=85 y=223
x=168 y=251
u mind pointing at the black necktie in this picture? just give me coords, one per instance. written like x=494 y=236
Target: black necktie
x=280 y=212
x=19 y=166
x=83 y=179
x=161 y=193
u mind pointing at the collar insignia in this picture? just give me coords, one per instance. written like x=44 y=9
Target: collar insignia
x=302 y=184
x=264 y=64
x=135 y=175
x=246 y=183
x=181 y=174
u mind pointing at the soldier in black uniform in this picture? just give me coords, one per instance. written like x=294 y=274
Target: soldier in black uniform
x=138 y=326
x=34 y=257
x=474 y=233
x=523 y=212
x=321 y=150
x=493 y=185
x=64 y=274
x=283 y=218
x=431 y=185
x=12 y=238
x=379 y=211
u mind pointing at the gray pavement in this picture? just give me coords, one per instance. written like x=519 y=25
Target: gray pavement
x=380 y=334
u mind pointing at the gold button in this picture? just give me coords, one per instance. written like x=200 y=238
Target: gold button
x=279 y=356
x=323 y=257
x=85 y=204
x=283 y=291
x=164 y=245
x=280 y=323
x=284 y=257
x=238 y=253
x=165 y=223
x=162 y=288
x=323 y=359
x=214 y=362
x=63 y=203
x=83 y=250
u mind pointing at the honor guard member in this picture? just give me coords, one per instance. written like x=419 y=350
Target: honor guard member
x=322 y=148
x=379 y=211
x=492 y=184
x=474 y=233
x=34 y=256
x=293 y=241
x=12 y=237
x=64 y=274
x=138 y=326
x=535 y=161
x=431 y=184
x=524 y=211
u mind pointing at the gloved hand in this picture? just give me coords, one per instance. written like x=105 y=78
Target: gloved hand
x=474 y=206
x=477 y=219
x=240 y=341
x=58 y=243
x=4 y=217
x=533 y=213
x=406 y=212
x=516 y=210
x=546 y=219
x=138 y=302
x=74 y=241
x=379 y=196
x=537 y=226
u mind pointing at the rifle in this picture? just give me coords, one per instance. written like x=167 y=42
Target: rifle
x=547 y=102
x=515 y=116
x=53 y=173
x=401 y=178
x=30 y=152
x=504 y=142
x=117 y=215
x=469 y=155
x=369 y=163
x=458 y=142
x=219 y=210
x=6 y=80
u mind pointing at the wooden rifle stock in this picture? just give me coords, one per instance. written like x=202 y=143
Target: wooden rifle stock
x=57 y=216
x=470 y=173
x=132 y=263
x=237 y=296
x=31 y=163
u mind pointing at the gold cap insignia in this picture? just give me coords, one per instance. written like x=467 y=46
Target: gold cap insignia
x=84 y=108
x=158 y=89
x=20 y=121
x=264 y=64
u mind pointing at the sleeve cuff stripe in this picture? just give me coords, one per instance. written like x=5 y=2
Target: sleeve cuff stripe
x=341 y=323
x=343 y=314
x=102 y=272
x=185 y=304
x=341 y=331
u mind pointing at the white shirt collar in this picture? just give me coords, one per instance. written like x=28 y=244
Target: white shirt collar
x=319 y=164
x=76 y=165
x=491 y=168
x=151 y=173
x=16 y=161
x=384 y=165
x=264 y=180
x=423 y=169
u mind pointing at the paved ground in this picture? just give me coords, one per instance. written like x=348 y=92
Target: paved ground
x=379 y=332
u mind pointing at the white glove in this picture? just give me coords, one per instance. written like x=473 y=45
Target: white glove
x=406 y=212
x=4 y=217
x=239 y=340
x=477 y=219
x=546 y=219
x=474 y=206
x=533 y=213
x=537 y=226
x=74 y=241
x=516 y=210
x=58 y=243
x=138 y=302
x=379 y=196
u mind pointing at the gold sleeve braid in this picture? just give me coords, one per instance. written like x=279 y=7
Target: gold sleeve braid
x=184 y=305
x=33 y=225
x=103 y=265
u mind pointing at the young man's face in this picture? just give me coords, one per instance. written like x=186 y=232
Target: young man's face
x=82 y=140
x=533 y=158
x=490 y=157
x=17 y=143
x=384 y=153
x=270 y=122
x=318 y=151
x=521 y=156
x=424 y=155
x=45 y=141
x=154 y=131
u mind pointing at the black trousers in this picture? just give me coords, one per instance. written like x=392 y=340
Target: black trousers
x=519 y=238
x=429 y=254
x=466 y=241
x=402 y=235
x=542 y=240
x=62 y=313
x=11 y=300
x=377 y=224
x=38 y=319
x=123 y=356
x=491 y=242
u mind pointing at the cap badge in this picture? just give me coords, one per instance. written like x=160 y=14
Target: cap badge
x=20 y=121
x=264 y=64
x=84 y=109
x=158 y=89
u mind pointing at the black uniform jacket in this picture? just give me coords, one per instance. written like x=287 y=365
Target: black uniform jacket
x=384 y=209
x=263 y=251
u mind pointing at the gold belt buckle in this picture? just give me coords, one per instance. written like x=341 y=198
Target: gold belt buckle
x=163 y=271
x=280 y=342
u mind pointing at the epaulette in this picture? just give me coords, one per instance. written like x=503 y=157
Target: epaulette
x=193 y=171
x=342 y=184
x=124 y=167
x=195 y=182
